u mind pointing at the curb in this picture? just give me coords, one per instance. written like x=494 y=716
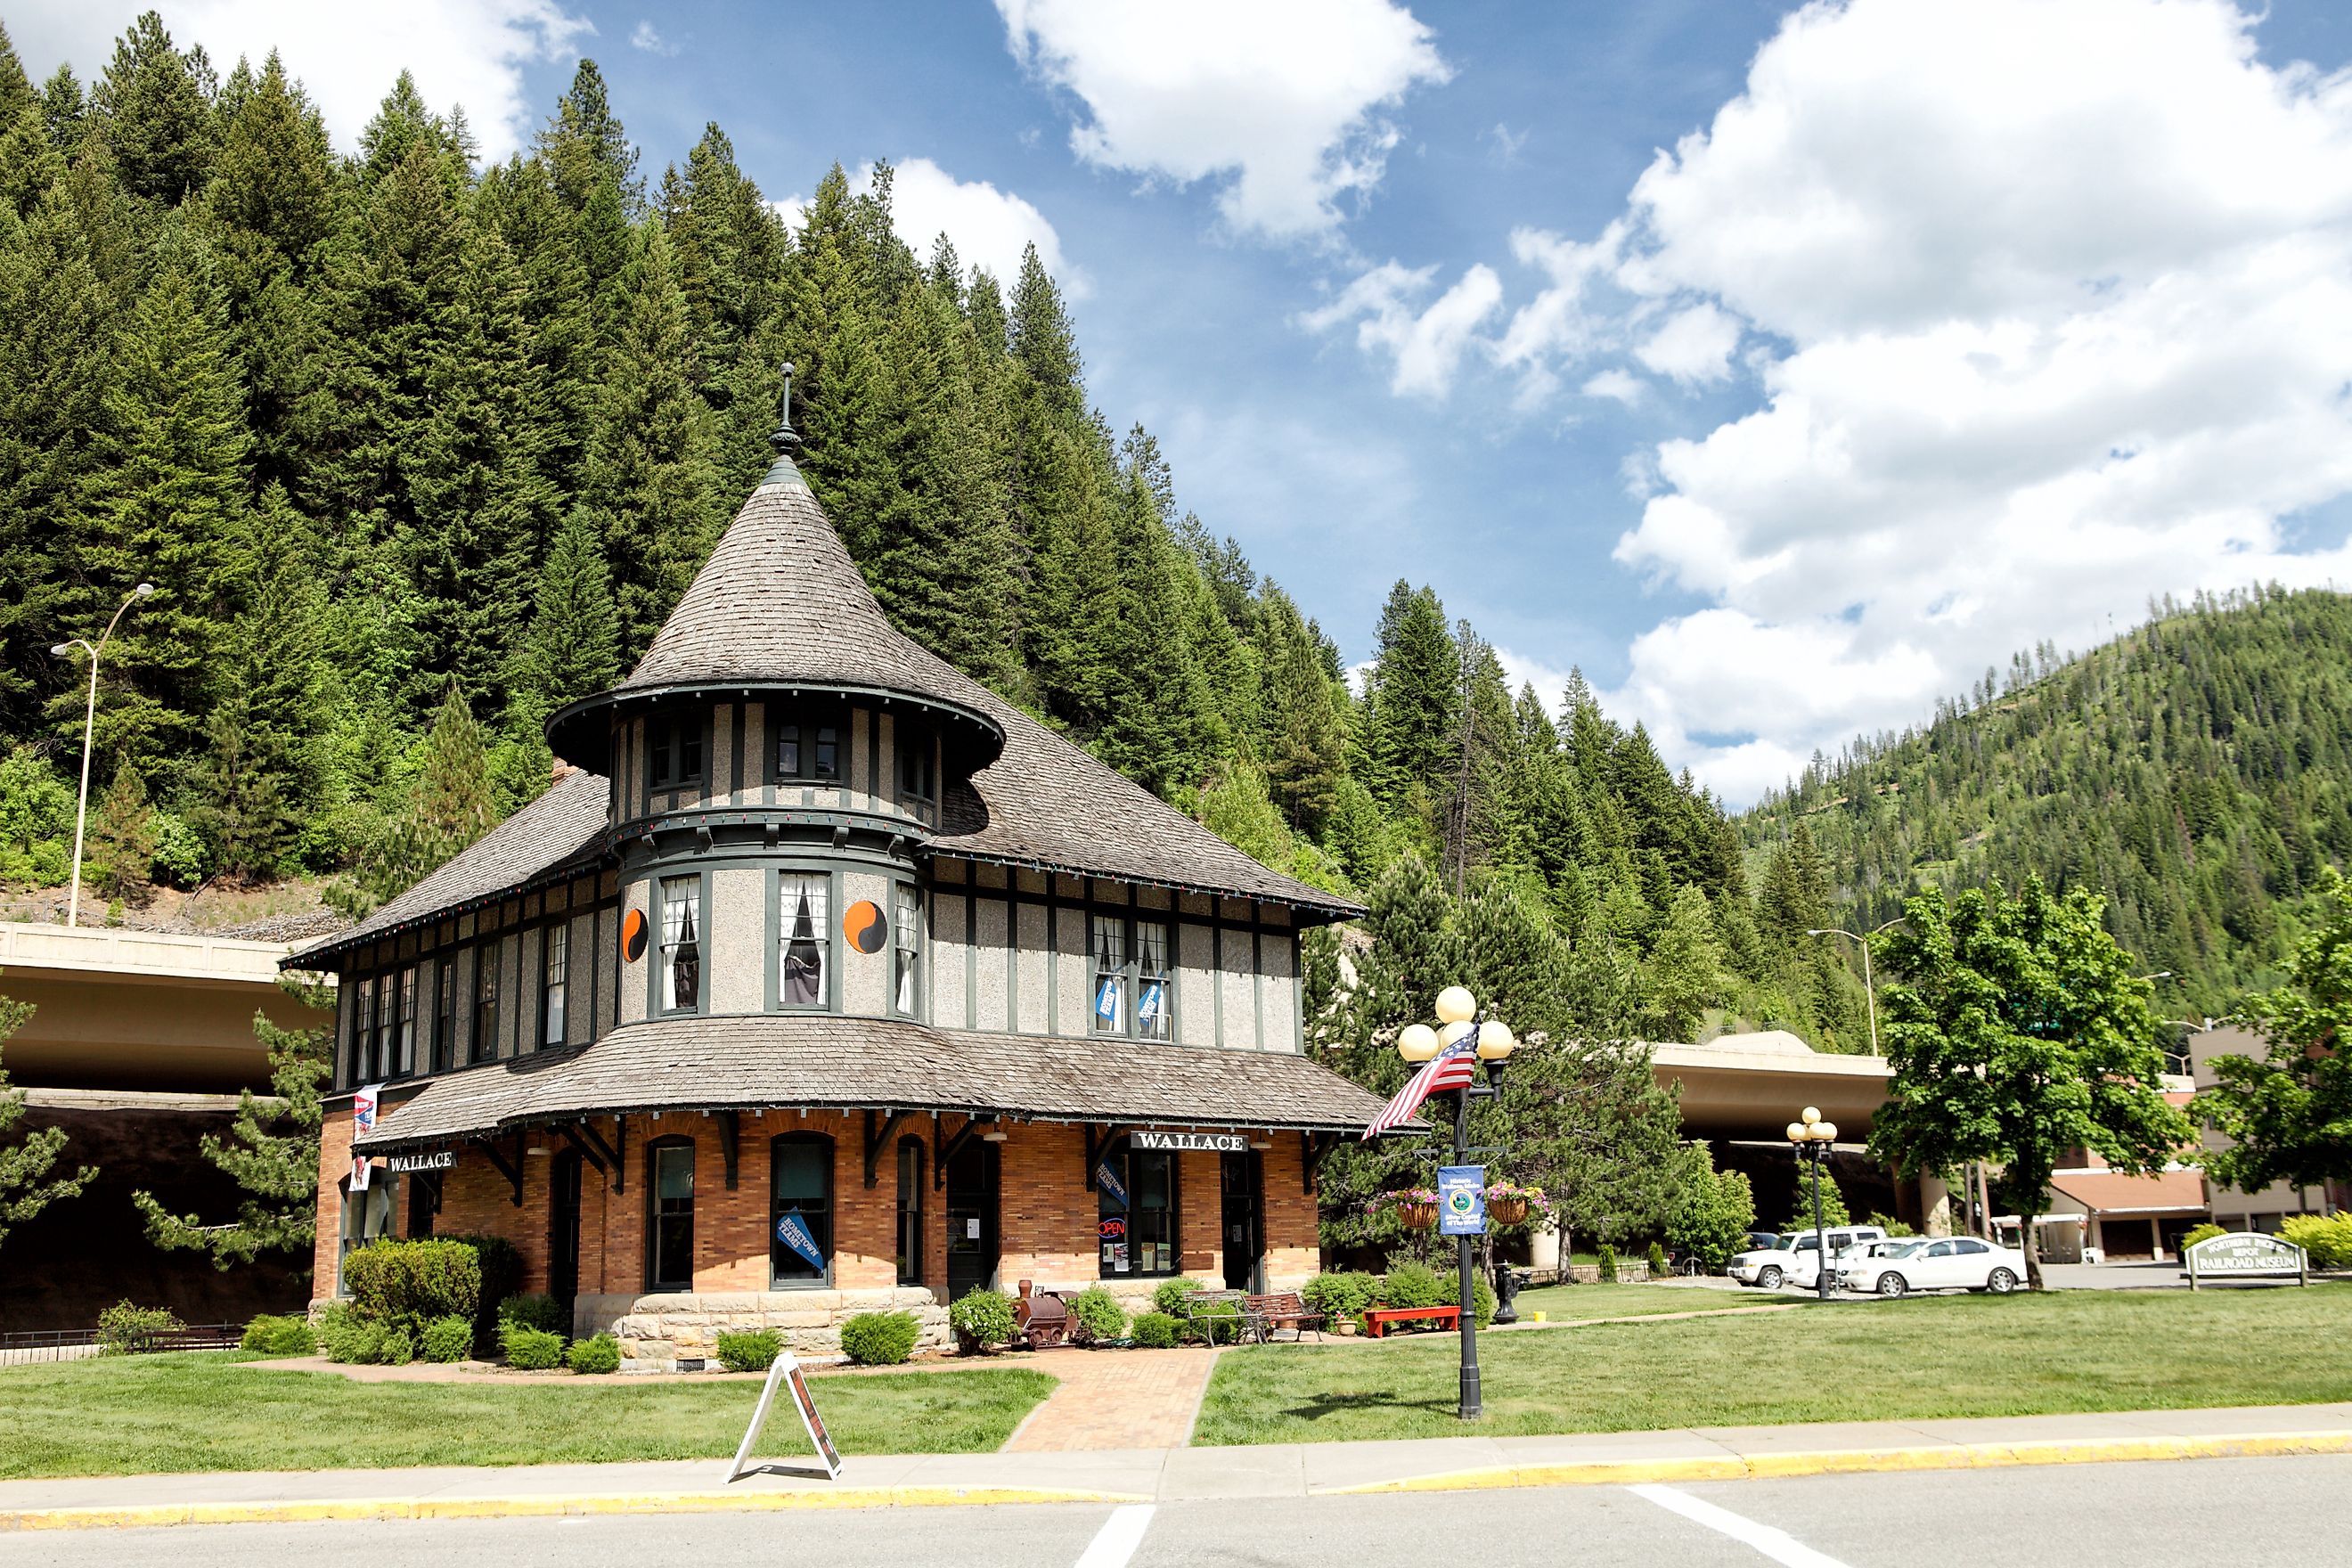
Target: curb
x=537 y=1507
x=1863 y=1461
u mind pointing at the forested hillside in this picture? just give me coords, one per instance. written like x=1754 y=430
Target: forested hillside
x=2198 y=772
x=414 y=449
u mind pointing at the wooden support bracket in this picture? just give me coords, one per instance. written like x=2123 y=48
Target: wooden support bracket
x=587 y=1151
x=943 y=1152
x=591 y=1144
x=510 y=1170
x=877 y=1138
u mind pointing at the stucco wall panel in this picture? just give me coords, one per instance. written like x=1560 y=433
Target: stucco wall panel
x=737 y=941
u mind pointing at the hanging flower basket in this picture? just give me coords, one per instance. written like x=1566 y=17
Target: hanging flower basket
x=1415 y=1208
x=1508 y=1211
x=1417 y=1216
x=1510 y=1203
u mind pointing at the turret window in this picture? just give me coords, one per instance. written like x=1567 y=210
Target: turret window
x=918 y=781
x=808 y=749
x=676 y=743
x=906 y=948
x=681 y=971
x=807 y=939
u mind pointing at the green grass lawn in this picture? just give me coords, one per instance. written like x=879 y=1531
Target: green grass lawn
x=143 y=1414
x=1562 y=1303
x=1863 y=1360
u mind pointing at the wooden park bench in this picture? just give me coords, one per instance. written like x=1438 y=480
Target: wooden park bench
x=1377 y=1321
x=1285 y=1310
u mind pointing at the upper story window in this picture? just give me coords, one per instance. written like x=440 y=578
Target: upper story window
x=919 y=782
x=807 y=938
x=554 y=985
x=445 y=1014
x=380 y=1063
x=676 y=743
x=363 y=1031
x=485 y=1003
x=906 y=947
x=681 y=954
x=1133 y=993
x=406 y=1061
x=808 y=745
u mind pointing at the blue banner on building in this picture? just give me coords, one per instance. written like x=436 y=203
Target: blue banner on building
x=1107 y=1001
x=1461 y=1200
x=1107 y=1180
x=793 y=1232
x=1149 y=1005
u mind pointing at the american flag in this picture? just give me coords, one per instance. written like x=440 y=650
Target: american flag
x=1452 y=1067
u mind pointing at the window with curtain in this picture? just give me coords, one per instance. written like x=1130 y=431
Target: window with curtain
x=906 y=947
x=363 y=1032
x=800 y=1219
x=910 y=1210
x=387 y=1005
x=670 y=1230
x=681 y=956
x=485 y=1003
x=556 y=953
x=1155 y=990
x=806 y=936
x=406 y=1059
x=1108 y=939
x=445 y=1014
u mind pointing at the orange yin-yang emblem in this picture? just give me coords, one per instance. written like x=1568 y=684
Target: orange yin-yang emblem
x=633 y=935
x=864 y=927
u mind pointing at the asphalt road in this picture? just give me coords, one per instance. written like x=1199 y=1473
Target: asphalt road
x=2243 y=1512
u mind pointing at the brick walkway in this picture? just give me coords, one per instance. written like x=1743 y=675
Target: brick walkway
x=1114 y=1399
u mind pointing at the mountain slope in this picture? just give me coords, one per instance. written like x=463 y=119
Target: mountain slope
x=2199 y=771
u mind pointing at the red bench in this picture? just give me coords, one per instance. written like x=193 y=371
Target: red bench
x=1377 y=1321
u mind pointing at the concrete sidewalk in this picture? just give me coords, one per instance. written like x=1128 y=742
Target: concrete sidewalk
x=1147 y=1474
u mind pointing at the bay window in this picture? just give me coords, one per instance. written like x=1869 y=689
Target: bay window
x=906 y=948
x=681 y=951
x=806 y=935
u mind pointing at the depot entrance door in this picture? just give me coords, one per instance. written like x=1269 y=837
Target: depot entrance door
x=971 y=1185
x=1240 y=1183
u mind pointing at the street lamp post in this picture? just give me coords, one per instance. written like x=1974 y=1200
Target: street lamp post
x=1457 y=1015
x=88 y=724
x=1812 y=1138
x=1869 y=990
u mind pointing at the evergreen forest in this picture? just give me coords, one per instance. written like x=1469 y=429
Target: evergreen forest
x=415 y=448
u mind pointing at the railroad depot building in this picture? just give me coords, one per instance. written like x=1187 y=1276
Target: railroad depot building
x=828 y=981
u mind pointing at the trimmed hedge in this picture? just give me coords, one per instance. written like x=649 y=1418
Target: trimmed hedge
x=2329 y=1241
x=408 y=1284
x=1342 y=1296
x=1410 y=1285
x=596 y=1354
x=1154 y=1331
x=880 y=1339
x=531 y=1349
x=544 y=1313
x=354 y=1341
x=502 y=1267
x=750 y=1350
x=271 y=1335
x=448 y=1339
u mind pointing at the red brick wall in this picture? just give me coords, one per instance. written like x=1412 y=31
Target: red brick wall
x=334 y=1164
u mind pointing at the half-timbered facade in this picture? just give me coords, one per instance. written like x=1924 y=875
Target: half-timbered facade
x=823 y=979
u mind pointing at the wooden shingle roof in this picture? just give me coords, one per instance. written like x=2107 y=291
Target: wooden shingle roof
x=817 y=1061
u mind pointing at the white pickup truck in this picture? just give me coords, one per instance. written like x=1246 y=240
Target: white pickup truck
x=1797 y=1258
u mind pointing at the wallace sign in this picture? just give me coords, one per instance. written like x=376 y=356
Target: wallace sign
x=1201 y=1142
x=2244 y=1255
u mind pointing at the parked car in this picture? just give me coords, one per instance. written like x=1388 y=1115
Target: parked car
x=1949 y=1263
x=1796 y=1258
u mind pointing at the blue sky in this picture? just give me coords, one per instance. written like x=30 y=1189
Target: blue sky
x=1782 y=371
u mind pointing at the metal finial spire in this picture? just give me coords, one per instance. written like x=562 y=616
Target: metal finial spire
x=784 y=436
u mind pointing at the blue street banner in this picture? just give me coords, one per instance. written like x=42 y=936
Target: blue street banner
x=793 y=1232
x=1107 y=1001
x=1107 y=1180
x=1461 y=1200
x=1147 y=1005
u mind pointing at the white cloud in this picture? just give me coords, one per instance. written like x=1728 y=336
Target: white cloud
x=461 y=52
x=1425 y=343
x=1549 y=681
x=1282 y=104
x=1614 y=384
x=648 y=37
x=988 y=227
x=2049 y=308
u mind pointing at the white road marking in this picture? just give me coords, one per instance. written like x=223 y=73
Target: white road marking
x=1121 y=1533
x=1777 y=1545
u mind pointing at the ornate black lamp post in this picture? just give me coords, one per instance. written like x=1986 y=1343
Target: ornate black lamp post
x=1457 y=1016
x=1812 y=1138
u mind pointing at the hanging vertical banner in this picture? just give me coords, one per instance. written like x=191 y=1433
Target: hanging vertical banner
x=1461 y=1200
x=1147 y=1005
x=1106 y=1002
x=360 y=1169
x=363 y=1104
x=1107 y=1180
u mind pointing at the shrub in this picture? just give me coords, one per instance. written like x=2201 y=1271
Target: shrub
x=409 y=1284
x=1608 y=1264
x=2327 y=1241
x=530 y=1350
x=502 y=1268
x=1657 y=1261
x=1097 y=1314
x=1890 y=1225
x=2205 y=1232
x=124 y=1329
x=750 y=1350
x=544 y=1313
x=1169 y=1297
x=274 y=1336
x=448 y=1339
x=880 y=1339
x=1413 y=1285
x=1341 y=1297
x=1154 y=1331
x=597 y=1353
x=984 y=1316
x=355 y=1340
x=178 y=858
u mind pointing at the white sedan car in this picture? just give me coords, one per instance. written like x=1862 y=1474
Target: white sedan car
x=1950 y=1263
